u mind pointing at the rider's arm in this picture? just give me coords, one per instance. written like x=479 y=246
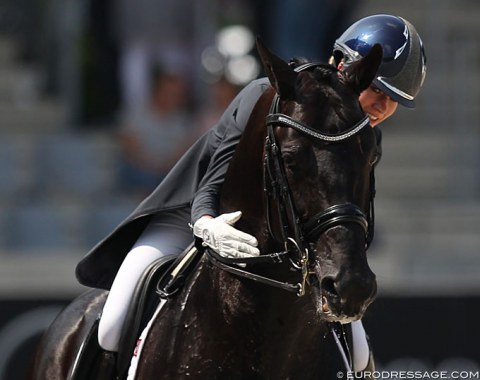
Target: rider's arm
x=233 y=121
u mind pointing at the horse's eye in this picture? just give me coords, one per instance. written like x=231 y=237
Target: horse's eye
x=290 y=160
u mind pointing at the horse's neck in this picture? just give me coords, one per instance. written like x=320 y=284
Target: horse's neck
x=243 y=186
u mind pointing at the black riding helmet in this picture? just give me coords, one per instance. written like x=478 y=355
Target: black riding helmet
x=403 y=68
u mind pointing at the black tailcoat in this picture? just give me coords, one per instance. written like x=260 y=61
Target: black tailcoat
x=193 y=183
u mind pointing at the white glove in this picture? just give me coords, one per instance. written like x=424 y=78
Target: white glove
x=224 y=239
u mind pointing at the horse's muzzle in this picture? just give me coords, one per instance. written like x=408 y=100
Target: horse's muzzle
x=344 y=298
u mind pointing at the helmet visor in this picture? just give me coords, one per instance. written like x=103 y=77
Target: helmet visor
x=394 y=93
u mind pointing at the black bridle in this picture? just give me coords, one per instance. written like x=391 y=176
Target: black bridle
x=295 y=233
x=277 y=188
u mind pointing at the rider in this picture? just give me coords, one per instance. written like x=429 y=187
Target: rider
x=190 y=192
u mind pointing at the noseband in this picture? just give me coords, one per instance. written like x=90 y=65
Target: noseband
x=295 y=234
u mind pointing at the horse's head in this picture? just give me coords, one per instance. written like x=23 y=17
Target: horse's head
x=325 y=160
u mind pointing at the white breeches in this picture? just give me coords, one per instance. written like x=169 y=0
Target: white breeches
x=168 y=235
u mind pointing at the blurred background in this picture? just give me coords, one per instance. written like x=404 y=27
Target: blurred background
x=99 y=98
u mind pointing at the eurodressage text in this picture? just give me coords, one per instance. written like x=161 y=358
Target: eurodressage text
x=409 y=375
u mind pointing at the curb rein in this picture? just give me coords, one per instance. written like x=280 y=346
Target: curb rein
x=294 y=235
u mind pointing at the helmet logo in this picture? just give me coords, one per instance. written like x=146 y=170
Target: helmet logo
x=402 y=48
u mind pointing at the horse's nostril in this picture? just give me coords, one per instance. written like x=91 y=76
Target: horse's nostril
x=328 y=286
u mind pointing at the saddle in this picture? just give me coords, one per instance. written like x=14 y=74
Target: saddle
x=162 y=279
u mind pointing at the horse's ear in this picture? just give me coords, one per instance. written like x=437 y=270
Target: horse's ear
x=282 y=77
x=361 y=73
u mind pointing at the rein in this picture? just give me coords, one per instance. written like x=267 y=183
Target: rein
x=231 y=265
x=294 y=233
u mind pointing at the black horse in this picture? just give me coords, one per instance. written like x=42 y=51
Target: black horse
x=302 y=176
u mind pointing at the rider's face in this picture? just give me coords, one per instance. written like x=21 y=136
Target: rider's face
x=377 y=105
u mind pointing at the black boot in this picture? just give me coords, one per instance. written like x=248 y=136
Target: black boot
x=93 y=362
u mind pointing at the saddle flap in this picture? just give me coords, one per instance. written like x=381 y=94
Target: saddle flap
x=143 y=305
x=163 y=278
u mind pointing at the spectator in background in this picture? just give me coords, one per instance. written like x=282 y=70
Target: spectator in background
x=221 y=93
x=153 y=137
x=148 y=31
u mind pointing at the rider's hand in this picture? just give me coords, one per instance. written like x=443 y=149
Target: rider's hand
x=224 y=239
